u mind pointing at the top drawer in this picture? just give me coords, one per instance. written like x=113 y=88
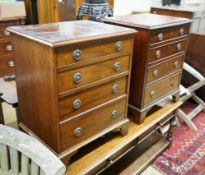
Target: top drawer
x=87 y=51
x=162 y=35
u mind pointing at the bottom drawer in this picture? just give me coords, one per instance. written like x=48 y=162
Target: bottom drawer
x=6 y=65
x=79 y=129
x=160 y=89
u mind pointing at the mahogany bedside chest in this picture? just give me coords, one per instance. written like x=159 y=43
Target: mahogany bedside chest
x=72 y=81
x=158 y=57
x=6 y=53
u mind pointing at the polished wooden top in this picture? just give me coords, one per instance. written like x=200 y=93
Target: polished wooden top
x=147 y=20
x=55 y=34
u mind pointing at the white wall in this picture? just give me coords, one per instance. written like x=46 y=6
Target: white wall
x=156 y=2
x=124 y=7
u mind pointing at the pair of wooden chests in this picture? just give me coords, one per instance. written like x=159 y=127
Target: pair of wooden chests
x=76 y=81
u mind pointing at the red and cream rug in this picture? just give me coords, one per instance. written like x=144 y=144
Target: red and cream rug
x=186 y=156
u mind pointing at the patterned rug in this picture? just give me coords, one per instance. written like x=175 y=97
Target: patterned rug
x=187 y=153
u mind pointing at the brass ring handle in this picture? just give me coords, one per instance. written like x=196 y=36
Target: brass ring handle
x=77 y=78
x=155 y=73
x=117 y=66
x=77 y=132
x=11 y=63
x=179 y=46
x=118 y=46
x=114 y=114
x=77 y=55
x=76 y=104
x=7 y=33
x=9 y=47
x=158 y=54
x=181 y=31
x=160 y=36
x=152 y=94
x=115 y=88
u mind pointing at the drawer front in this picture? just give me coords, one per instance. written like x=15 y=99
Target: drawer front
x=6 y=65
x=92 y=73
x=163 y=69
x=81 y=128
x=169 y=33
x=90 y=98
x=87 y=51
x=160 y=89
x=159 y=53
x=6 y=48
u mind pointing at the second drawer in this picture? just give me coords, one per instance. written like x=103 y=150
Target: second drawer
x=85 y=75
x=159 y=53
x=163 y=69
x=88 y=99
x=161 y=89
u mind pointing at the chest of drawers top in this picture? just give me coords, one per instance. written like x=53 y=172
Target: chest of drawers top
x=148 y=21
x=64 y=33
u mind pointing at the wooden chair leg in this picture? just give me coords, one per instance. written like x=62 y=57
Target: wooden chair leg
x=1 y=115
x=1 y=112
x=187 y=120
x=176 y=97
x=17 y=113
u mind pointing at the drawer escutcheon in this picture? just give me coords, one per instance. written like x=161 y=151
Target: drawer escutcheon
x=173 y=83
x=155 y=73
x=160 y=36
x=179 y=46
x=9 y=47
x=158 y=54
x=118 y=46
x=114 y=114
x=77 y=78
x=152 y=94
x=78 y=132
x=115 y=88
x=181 y=31
x=117 y=66
x=176 y=64
x=76 y=104
x=7 y=33
x=11 y=63
x=77 y=55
